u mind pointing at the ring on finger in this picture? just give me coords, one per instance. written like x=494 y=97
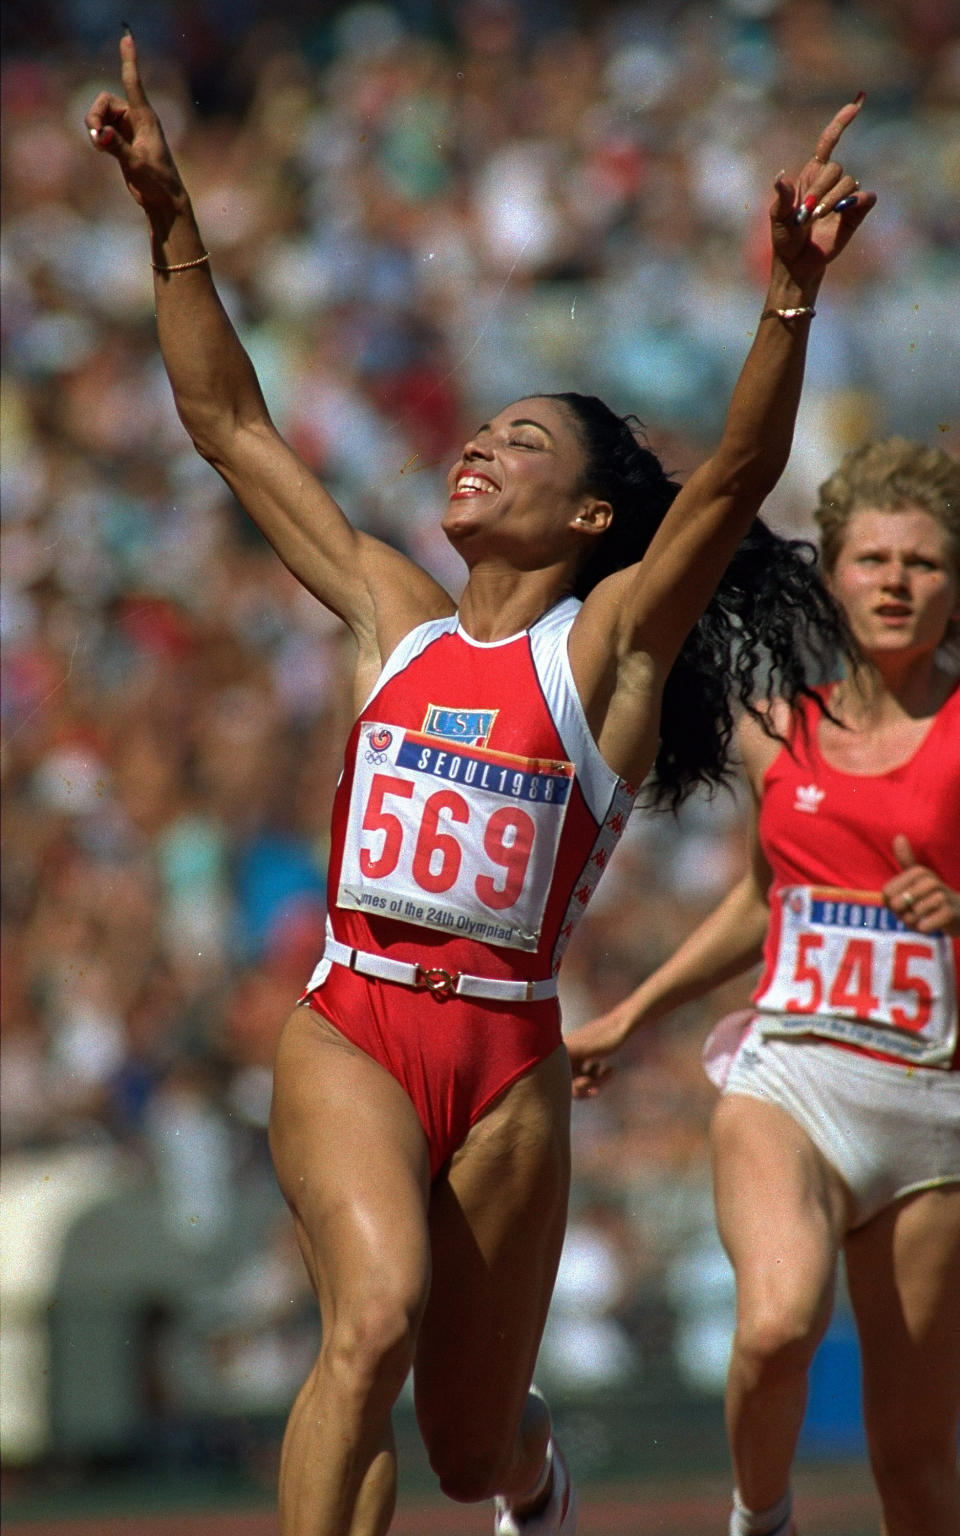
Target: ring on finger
x=907 y=900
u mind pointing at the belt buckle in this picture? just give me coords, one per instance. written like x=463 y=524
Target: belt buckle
x=442 y=983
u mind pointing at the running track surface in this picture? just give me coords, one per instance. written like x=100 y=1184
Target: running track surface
x=835 y=1501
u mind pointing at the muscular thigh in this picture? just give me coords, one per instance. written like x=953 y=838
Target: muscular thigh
x=497 y=1221
x=781 y=1209
x=351 y=1160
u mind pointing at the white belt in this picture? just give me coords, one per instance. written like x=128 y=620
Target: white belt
x=434 y=979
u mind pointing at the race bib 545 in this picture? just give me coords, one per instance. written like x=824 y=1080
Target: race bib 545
x=460 y=839
x=848 y=968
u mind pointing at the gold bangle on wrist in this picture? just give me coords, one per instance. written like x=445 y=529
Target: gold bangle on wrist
x=801 y=312
x=181 y=266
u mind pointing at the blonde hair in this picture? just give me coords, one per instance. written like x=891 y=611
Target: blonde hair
x=891 y=475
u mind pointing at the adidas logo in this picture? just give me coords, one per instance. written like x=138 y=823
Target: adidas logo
x=808 y=798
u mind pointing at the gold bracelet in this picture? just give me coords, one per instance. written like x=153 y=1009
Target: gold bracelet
x=182 y=266
x=800 y=313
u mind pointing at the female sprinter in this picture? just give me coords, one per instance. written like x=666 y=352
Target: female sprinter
x=420 y=1121
x=839 y=1125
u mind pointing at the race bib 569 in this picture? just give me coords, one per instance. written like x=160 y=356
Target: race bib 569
x=461 y=839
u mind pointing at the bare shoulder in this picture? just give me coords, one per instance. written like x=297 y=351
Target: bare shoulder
x=597 y=628
x=759 y=746
x=402 y=594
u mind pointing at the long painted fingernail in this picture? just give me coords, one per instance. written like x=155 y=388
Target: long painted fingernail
x=845 y=203
x=860 y=96
x=127 y=29
x=806 y=208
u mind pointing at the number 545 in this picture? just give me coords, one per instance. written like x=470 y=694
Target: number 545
x=851 y=988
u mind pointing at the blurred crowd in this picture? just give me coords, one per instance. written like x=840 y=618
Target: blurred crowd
x=415 y=211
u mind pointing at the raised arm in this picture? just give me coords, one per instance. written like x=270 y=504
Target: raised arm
x=378 y=592
x=645 y=612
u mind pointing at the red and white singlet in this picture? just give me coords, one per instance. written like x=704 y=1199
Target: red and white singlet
x=472 y=822
x=839 y=964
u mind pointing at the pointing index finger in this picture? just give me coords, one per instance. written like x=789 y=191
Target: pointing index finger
x=829 y=138
x=130 y=73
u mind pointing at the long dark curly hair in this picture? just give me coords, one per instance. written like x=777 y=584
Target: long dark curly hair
x=771 y=627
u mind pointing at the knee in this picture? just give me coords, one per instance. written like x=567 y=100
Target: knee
x=472 y=1461
x=475 y=1461
x=369 y=1345
x=469 y=1474
x=779 y=1336
x=917 y=1479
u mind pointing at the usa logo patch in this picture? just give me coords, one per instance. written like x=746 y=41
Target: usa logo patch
x=467 y=727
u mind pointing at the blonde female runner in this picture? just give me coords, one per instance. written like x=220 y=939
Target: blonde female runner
x=839 y=1125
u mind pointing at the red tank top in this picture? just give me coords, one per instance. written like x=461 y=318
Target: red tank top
x=838 y=963
x=475 y=813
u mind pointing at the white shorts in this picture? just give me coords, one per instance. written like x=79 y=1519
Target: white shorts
x=888 y=1130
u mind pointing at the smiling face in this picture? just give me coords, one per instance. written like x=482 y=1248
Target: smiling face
x=518 y=486
x=897 y=580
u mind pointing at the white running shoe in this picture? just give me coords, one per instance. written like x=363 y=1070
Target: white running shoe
x=788 y=1527
x=558 y=1517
